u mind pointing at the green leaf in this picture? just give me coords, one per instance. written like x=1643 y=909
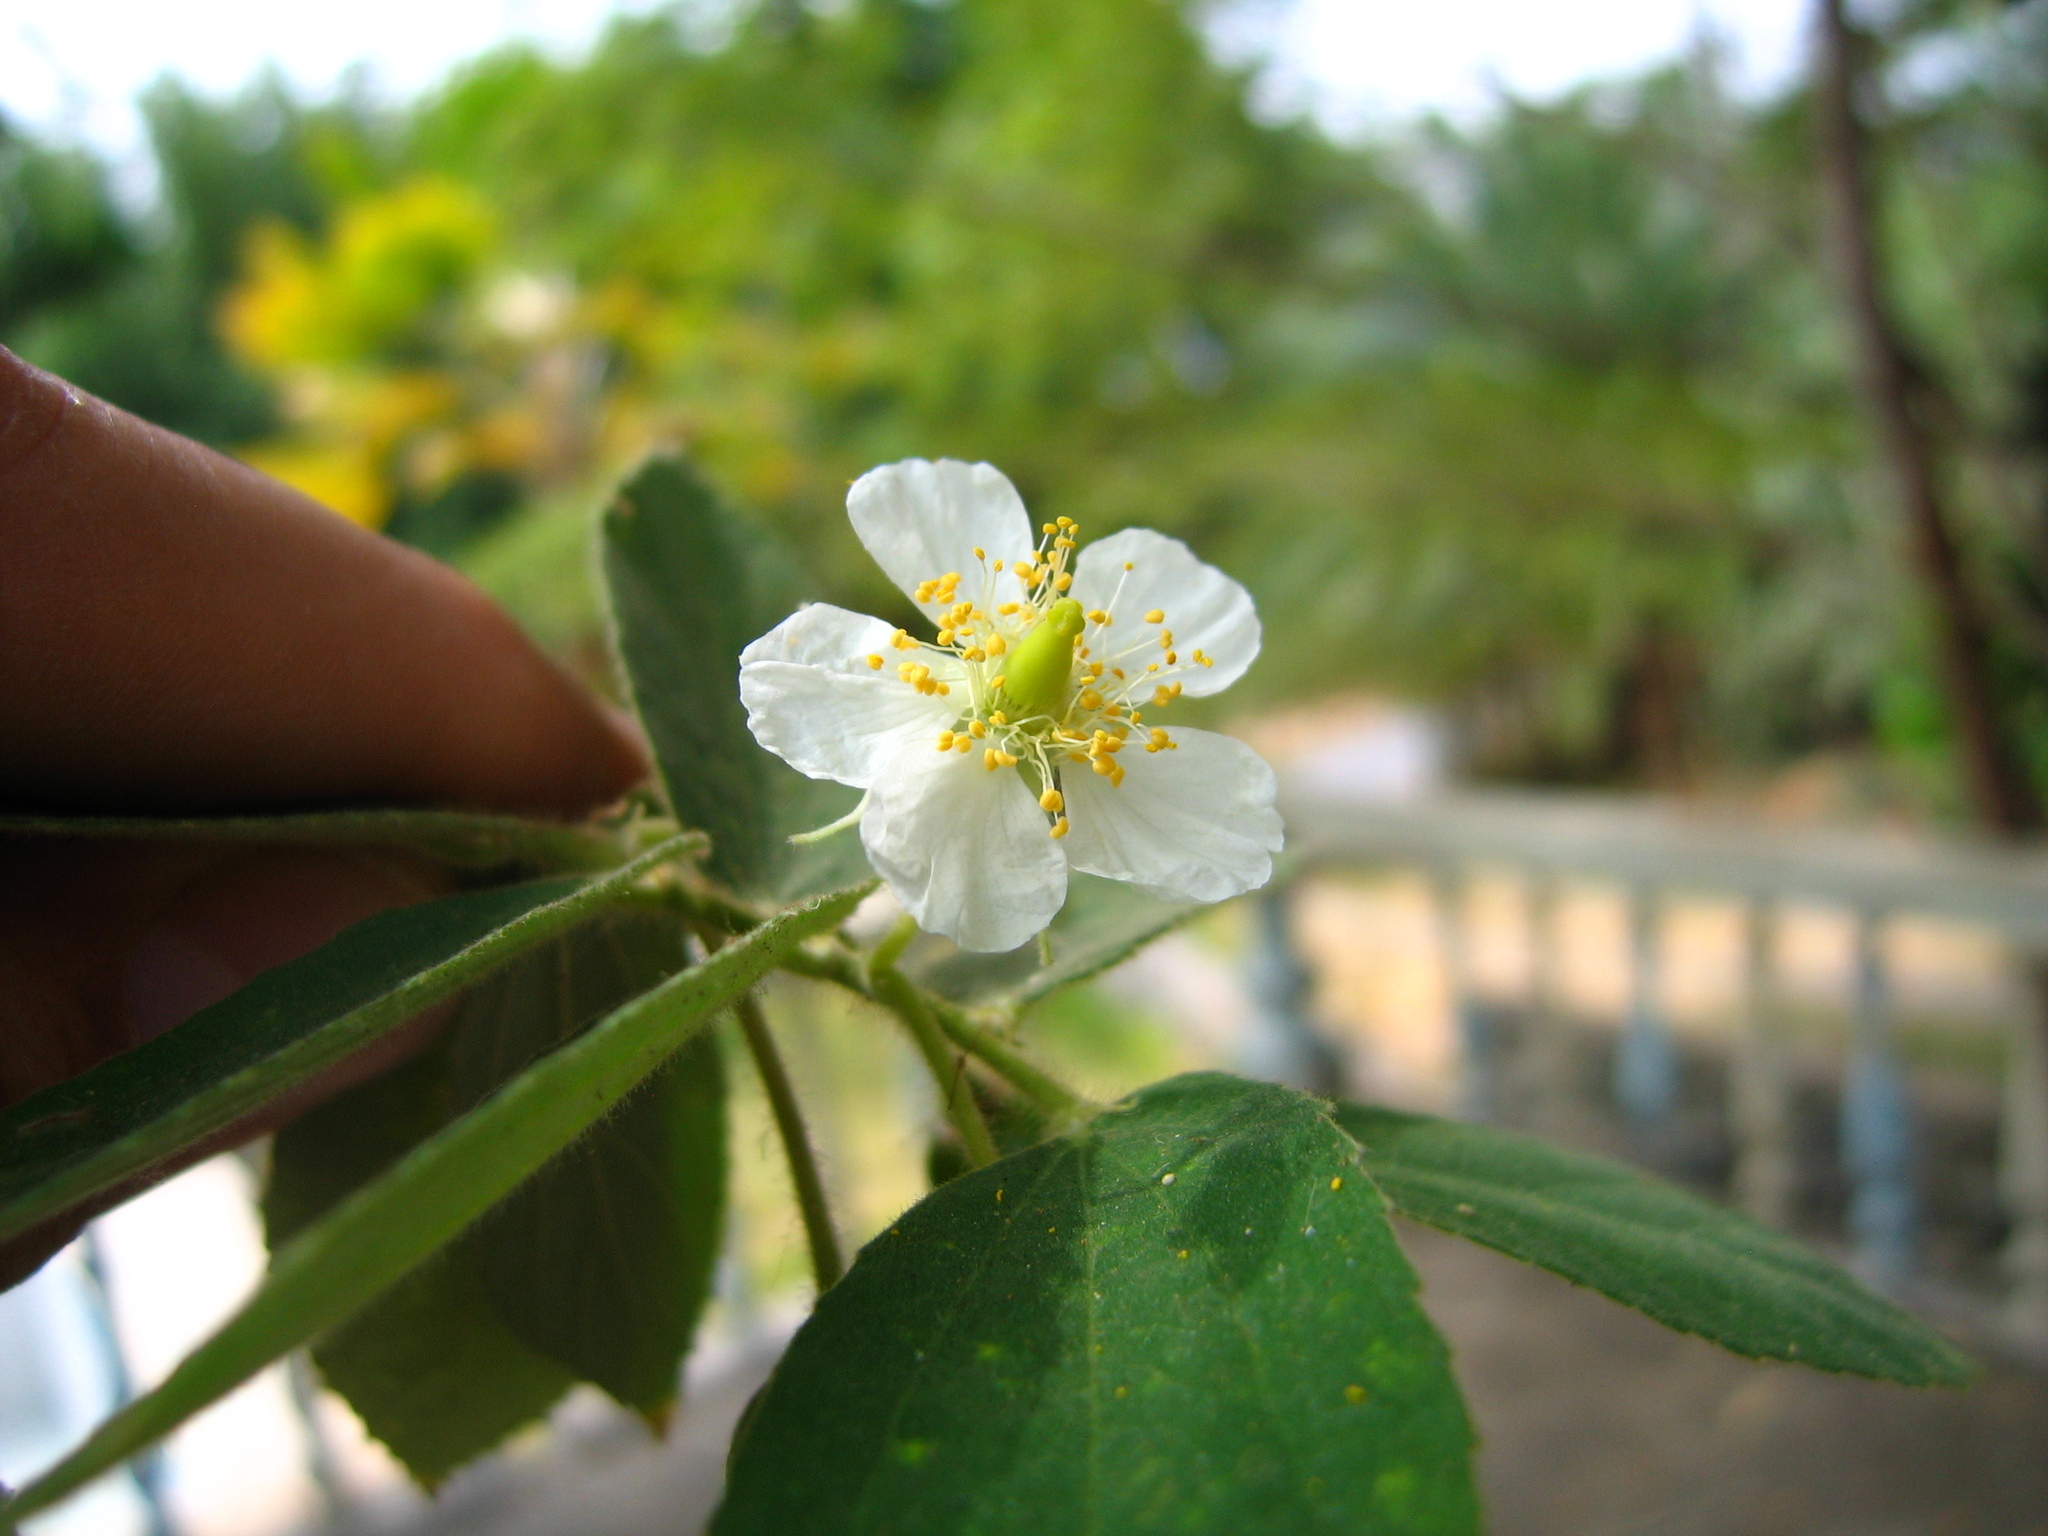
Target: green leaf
x=459 y=838
x=602 y=1261
x=1690 y=1265
x=428 y=1366
x=1188 y=1316
x=690 y=584
x=1103 y=923
x=383 y=1231
x=107 y=1128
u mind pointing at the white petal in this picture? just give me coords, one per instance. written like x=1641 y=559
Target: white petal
x=1204 y=608
x=965 y=850
x=1196 y=823
x=815 y=701
x=920 y=520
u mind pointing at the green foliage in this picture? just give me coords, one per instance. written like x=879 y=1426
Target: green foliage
x=690 y=586
x=428 y=1366
x=594 y=1269
x=332 y=1269
x=602 y=1261
x=138 y=1109
x=1690 y=1265
x=1189 y=1315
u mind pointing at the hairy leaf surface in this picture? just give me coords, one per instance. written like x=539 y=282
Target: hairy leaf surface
x=137 y=1110
x=388 y=1227
x=1646 y=1244
x=602 y=1260
x=690 y=584
x=1188 y=1316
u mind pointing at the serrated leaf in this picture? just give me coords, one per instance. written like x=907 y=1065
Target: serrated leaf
x=109 y=1127
x=427 y=1366
x=387 y=1228
x=689 y=584
x=1168 y=1321
x=1102 y=924
x=602 y=1261
x=460 y=838
x=1646 y=1244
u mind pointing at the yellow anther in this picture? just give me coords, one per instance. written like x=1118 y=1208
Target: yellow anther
x=942 y=688
x=1128 y=566
x=998 y=567
x=1048 y=528
x=1007 y=759
x=1156 y=616
x=1162 y=696
x=1062 y=543
x=991 y=759
x=1090 y=699
x=901 y=641
x=1104 y=766
x=1151 y=666
x=980 y=553
x=875 y=662
x=1066 y=580
x=995 y=647
x=1094 y=669
x=1114 y=744
x=1024 y=575
x=998 y=717
x=1097 y=616
x=945 y=637
x=1077 y=757
x=1166 y=639
x=976 y=729
x=1116 y=672
x=1052 y=800
x=1059 y=828
x=1173 y=658
x=1160 y=741
x=1116 y=777
x=962 y=743
x=1006 y=608
x=945 y=741
x=976 y=653
x=996 y=682
x=1065 y=522
x=1203 y=661
x=1112 y=710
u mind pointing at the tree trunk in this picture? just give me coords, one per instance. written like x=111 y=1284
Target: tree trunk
x=2001 y=790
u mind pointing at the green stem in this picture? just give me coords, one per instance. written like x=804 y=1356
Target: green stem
x=889 y=987
x=826 y=1264
x=832 y=963
x=381 y=1232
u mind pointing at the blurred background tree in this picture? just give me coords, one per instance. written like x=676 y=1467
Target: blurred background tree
x=1548 y=419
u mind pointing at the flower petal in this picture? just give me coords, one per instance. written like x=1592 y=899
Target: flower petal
x=920 y=520
x=816 y=701
x=1204 y=608
x=1195 y=823
x=965 y=850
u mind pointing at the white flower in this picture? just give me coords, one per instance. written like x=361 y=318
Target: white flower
x=1025 y=740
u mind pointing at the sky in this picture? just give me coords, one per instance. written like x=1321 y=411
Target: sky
x=76 y=65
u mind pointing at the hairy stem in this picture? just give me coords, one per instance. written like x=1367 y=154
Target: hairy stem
x=889 y=987
x=826 y=1264
x=832 y=963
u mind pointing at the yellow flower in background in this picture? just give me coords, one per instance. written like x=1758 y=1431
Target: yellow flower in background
x=341 y=477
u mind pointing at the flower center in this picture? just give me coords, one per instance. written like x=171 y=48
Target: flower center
x=1039 y=697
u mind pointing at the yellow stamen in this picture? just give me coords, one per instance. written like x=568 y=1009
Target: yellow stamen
x=1156 y=616
x=976 y=729
x=1059 y=828
x=980 y=553
x=998 y=717
x=945 y=637
x=1097 y=616
x=991 y=759
x=995 y=647
x=945 y=741
x=1066 y=580
x=1052 y=800
x=875 y=662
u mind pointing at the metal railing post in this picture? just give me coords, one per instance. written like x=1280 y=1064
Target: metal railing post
x=1645 y=1065
x=1877 y=1124
x=2023 y=1160
x=1760 y=1087
x=1285 y=1046
x=1478 y=1089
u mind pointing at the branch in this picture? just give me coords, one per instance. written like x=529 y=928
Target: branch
x=889 y=987
x=2000 y=787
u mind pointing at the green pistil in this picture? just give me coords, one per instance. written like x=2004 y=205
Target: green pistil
x=1037 y=672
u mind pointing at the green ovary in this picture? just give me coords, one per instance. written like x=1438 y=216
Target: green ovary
x=1036 y=674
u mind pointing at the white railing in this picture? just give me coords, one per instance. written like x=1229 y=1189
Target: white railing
x=1655 y=851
